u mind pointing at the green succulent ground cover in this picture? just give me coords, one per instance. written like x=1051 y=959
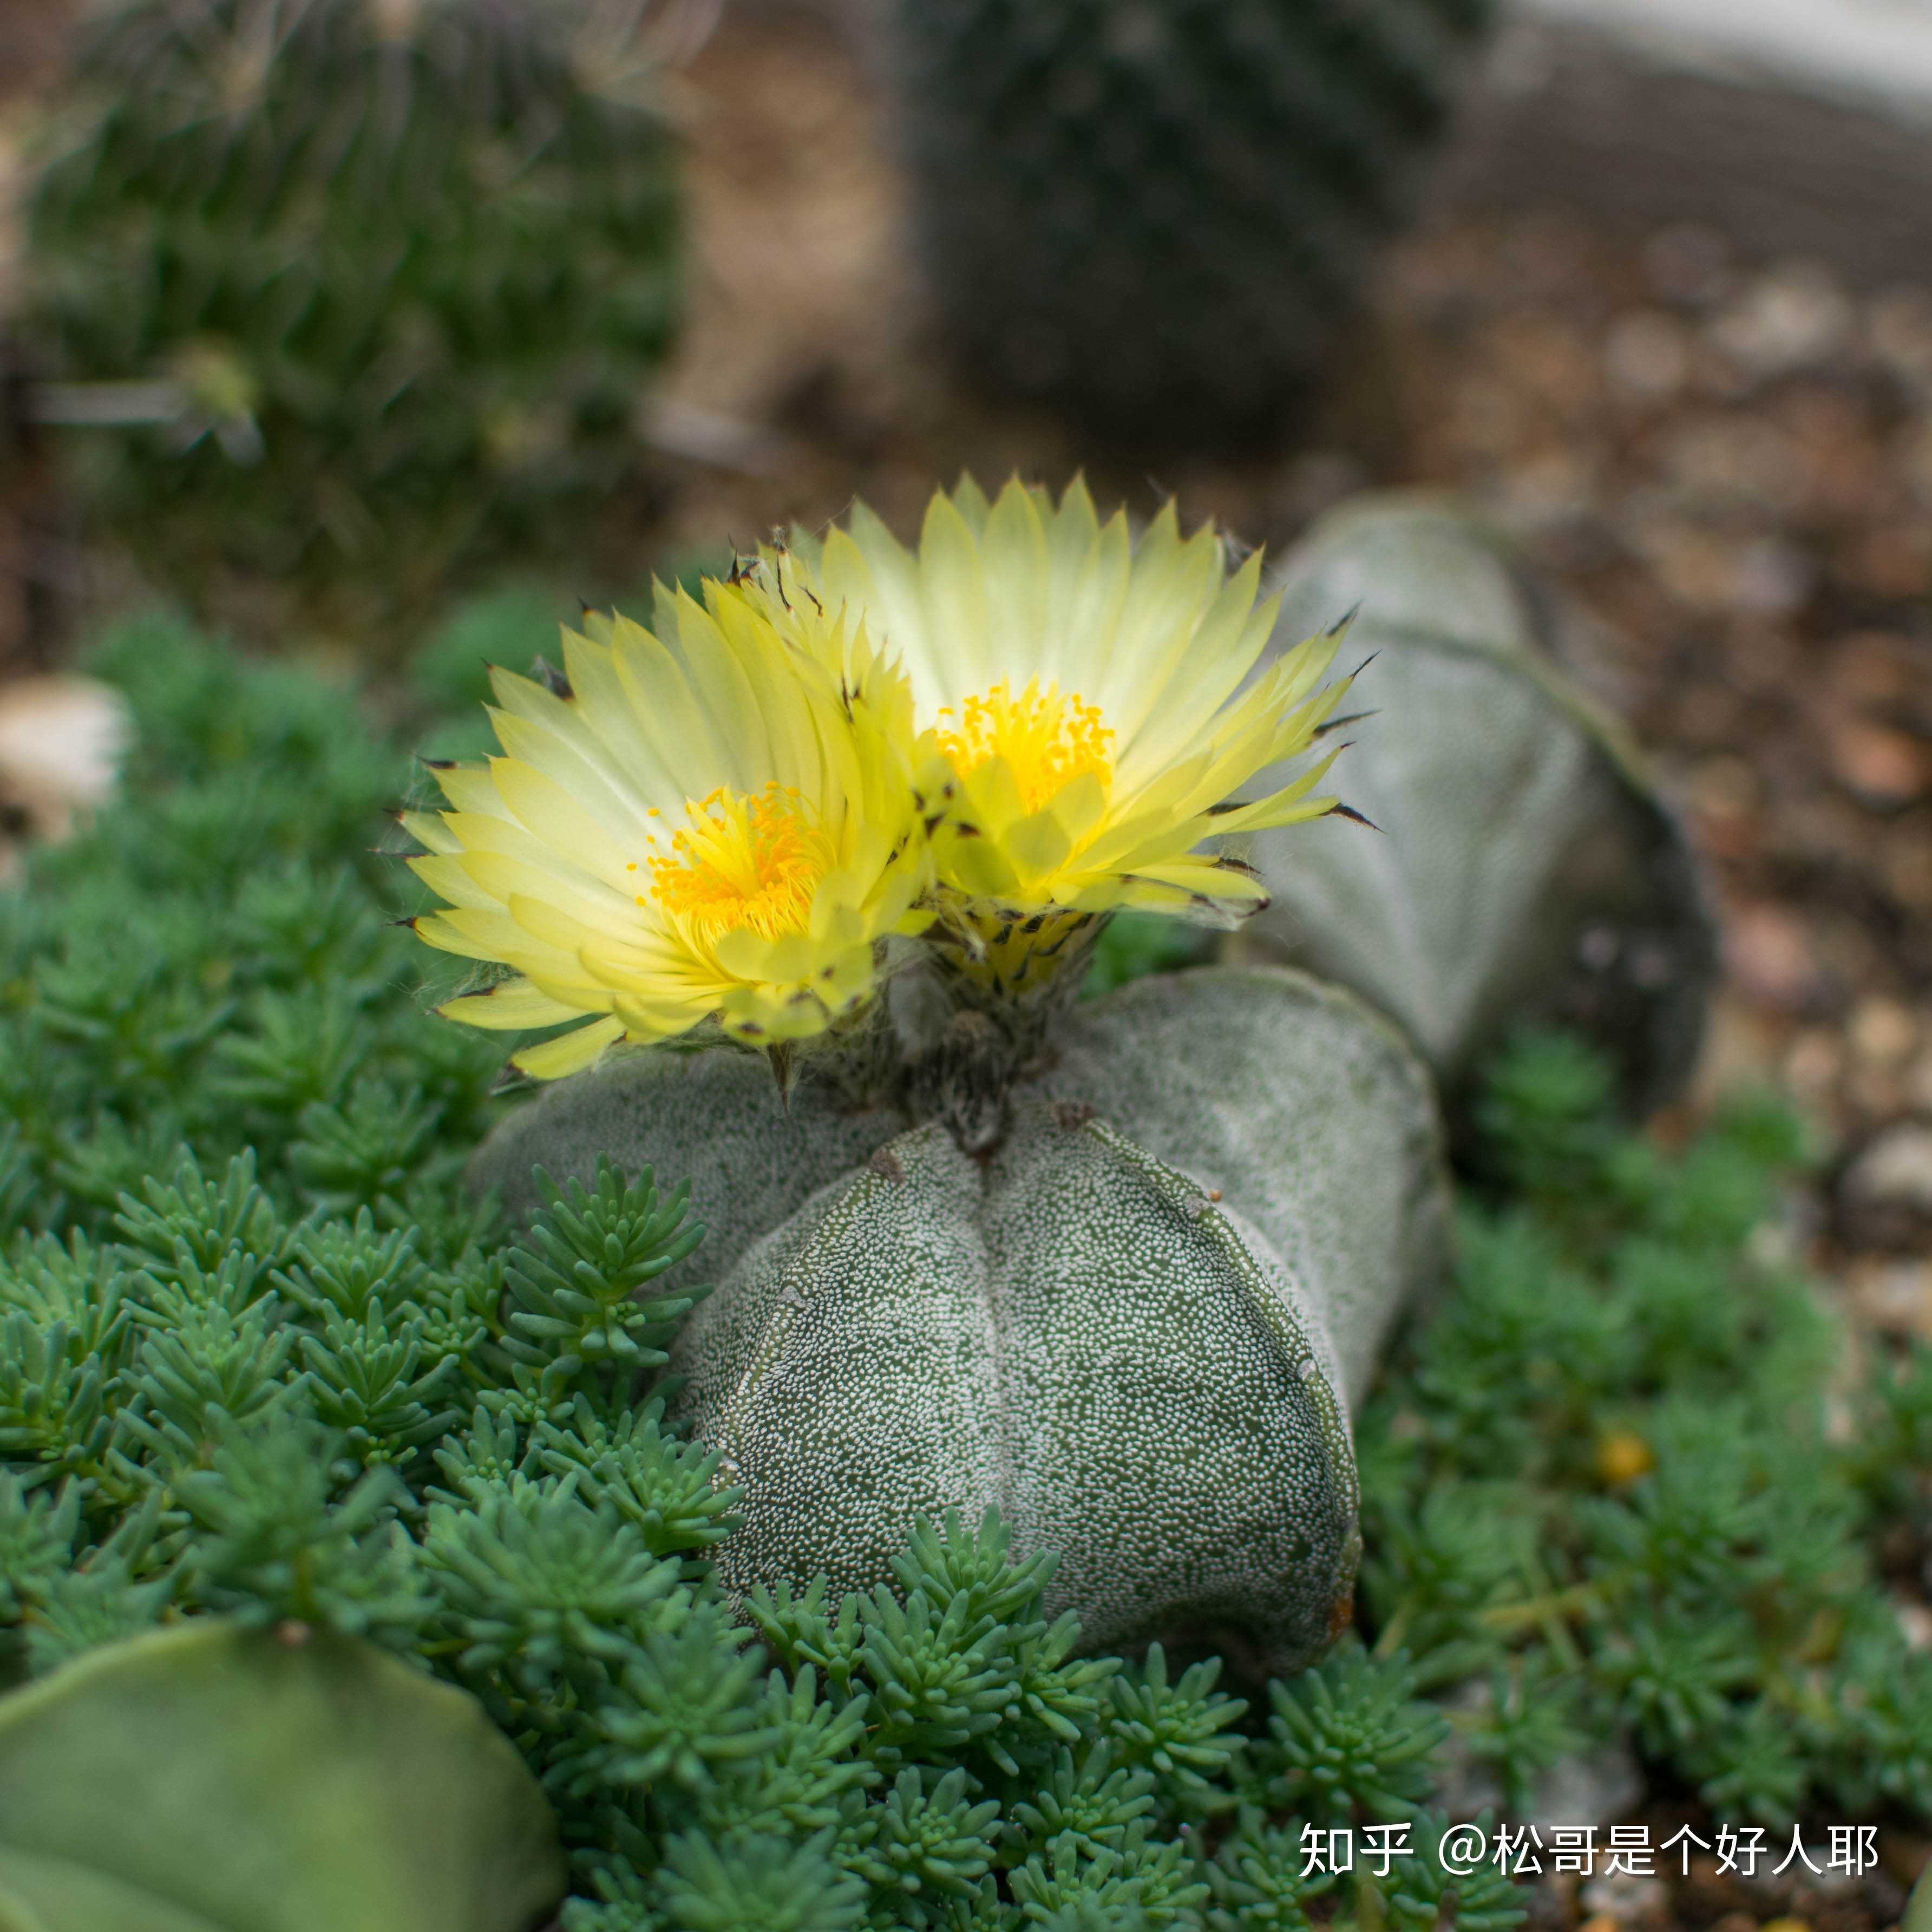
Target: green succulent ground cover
x=261 y=1357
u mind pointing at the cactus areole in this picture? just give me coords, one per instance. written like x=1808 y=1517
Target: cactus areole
x=1124 y=1291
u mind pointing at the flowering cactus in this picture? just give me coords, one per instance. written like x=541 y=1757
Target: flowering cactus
x=1137 y=1325
x=1120 y=1270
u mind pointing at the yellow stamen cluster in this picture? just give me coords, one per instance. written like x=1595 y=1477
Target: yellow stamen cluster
x=1045 y=740
x=755 y=862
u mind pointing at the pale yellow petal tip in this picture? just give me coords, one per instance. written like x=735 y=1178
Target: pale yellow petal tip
x=568 y=1053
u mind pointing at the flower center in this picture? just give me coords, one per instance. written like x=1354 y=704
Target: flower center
x=1047 y=740
x=743 y=860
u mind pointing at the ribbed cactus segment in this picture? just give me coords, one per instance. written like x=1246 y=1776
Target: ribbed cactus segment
x=1305 y=1111
x=1071 y=1331
x=1153 y=213
x=714 y=1117
x=1137 y=1324
x=1526 y=868
x=384 y=248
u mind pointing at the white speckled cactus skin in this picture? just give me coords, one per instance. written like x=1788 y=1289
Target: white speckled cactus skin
x=1153 y=1381
x=1073 y=1331
x=1527 y=867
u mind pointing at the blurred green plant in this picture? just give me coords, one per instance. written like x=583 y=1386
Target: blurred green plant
x=391 y=273
x=206 y=1776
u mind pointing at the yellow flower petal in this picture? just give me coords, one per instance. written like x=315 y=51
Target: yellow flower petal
x=715 y=825
x=570 y=1052
x=1088 y=707
x=507 y=1007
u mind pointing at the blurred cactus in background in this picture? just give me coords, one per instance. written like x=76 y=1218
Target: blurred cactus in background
x=1153 y=215
x=389 y=275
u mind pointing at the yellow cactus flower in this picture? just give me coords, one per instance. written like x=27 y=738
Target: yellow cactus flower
x=1086 y=722
x=707 y=828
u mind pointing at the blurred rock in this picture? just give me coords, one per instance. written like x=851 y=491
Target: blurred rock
x=1725 y=798
x=1894 y=1297
x=1771 y=956
x=1876 y=667
x=1772 y=576
x=1882 y=1031
x=1742 y=1050
x=1884 y=1198
x=1915 y=1622
x=1905 y=862
x=1732 y=459
x=1898 y=328
x=62 y=740
x=1815 y=1062
x=1647 y=355
x=1627 y=1898
x=1794 y=318
x=1881 y=766
x=1891 y=560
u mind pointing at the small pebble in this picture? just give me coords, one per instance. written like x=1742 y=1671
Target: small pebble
x=1883 y=767
x=1915 y=1620
x=1895 y=1296
x=1895 y=1170
x=1794 y=318
x=1626 y=1898
x=1771 y=955
x=1773 y=578
x=1898 y=326
x=1882 y=1031
x=1647 y=355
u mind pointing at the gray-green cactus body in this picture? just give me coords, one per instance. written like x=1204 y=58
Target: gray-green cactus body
x=1527 y=869
x=1136 y=1326
x=1302 y=1109
x=1071 y=1331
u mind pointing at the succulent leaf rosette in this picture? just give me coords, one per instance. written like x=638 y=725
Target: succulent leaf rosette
x=1118 y=1270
